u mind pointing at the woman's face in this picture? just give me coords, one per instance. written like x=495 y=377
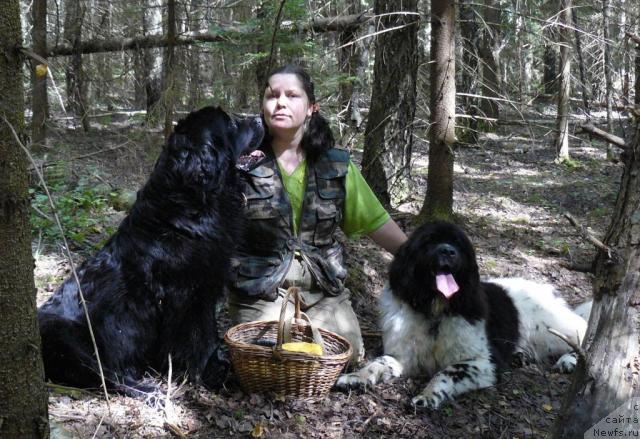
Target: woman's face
x=285 y=104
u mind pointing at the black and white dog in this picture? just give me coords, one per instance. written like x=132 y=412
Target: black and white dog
x=152 y=290
x=439 y=319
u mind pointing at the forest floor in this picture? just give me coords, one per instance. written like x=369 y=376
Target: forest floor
x=509 y=195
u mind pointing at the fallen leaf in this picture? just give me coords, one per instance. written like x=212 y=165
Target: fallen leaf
x=547 y=408
x=258 y=430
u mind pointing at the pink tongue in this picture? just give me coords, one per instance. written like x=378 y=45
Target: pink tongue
x=447 y=285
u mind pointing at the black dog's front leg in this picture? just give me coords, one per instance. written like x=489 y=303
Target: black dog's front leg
x=217 y=368
x=194 y=345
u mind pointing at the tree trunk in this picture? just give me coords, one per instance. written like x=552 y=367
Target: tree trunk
x=153 y=61
x=524 y=56
x=168 y=76
x=583 y=79
x=438 y=203
x=637 y=79
x=351 y=62
x=243 y=93
x=388 y=135
x=76 y=87
x=490 y=53
x=550 y=53
x=23 y=404
x=606 y=5
x=103 y=62
x=626 y=64
x=39 y=101
x=194 y=22
x=609 y=376
x=549 y=78
x=469 y=71
x=564 y=93
x=262 y=68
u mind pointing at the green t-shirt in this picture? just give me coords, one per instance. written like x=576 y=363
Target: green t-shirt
x=362 y=212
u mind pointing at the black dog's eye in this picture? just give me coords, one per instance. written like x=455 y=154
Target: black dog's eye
x=184 y=153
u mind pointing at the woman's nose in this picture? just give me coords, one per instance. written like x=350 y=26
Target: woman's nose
x=281 y=100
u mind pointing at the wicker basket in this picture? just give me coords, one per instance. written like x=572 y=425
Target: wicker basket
x=263 y=368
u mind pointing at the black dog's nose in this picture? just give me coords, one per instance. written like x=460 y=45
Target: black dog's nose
x=446 y=250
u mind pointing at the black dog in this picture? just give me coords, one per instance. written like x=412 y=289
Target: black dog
x=152 y=290
x=439 y=319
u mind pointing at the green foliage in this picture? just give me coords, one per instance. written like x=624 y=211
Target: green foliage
x=239 y=414
x=491 y=264
x=600 y=212
x=570 y=164
x=259 y=32
x=80 y=209
x=485 y=126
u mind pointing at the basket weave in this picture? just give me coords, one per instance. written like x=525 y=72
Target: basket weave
x=272 y=369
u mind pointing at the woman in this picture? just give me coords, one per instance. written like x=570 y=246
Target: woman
x=297 y=194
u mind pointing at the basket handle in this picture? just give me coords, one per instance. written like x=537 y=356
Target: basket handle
x=284 y=324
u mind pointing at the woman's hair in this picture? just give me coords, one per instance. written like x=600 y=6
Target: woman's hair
x=317 y=136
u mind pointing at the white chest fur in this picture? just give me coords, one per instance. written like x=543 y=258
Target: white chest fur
x=426 y=345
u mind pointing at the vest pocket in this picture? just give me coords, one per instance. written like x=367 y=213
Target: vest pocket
x=260 y=202
x=261 y=209
x=330 y=189
x=251 y=273
x=327 y=221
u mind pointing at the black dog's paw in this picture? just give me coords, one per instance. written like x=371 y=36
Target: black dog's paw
x=217 y=369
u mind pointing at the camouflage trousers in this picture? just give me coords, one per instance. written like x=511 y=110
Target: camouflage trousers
x=333 y=313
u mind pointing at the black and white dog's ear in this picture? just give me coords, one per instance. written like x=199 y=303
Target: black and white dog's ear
x=402 y=270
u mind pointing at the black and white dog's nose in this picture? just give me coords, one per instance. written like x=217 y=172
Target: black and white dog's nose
x=447 y=257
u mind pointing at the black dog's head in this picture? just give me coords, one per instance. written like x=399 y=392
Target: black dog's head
x=437 y=262
x=206 y=144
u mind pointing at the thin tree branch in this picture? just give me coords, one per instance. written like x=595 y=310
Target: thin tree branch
x=635 y=38
x=577 y=349
x=588 y=236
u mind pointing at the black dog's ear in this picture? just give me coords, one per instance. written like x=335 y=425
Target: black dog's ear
x=248 y=135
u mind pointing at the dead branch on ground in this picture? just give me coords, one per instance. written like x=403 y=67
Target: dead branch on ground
x=610 y=138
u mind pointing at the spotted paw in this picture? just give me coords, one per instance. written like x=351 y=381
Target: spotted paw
x=350 y=381
x=566 y=364
x=427 y=401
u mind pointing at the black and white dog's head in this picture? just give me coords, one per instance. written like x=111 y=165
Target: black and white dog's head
x=437 y=264
x=205 y=145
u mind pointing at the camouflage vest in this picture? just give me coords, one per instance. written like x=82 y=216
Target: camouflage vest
x=270 y=245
